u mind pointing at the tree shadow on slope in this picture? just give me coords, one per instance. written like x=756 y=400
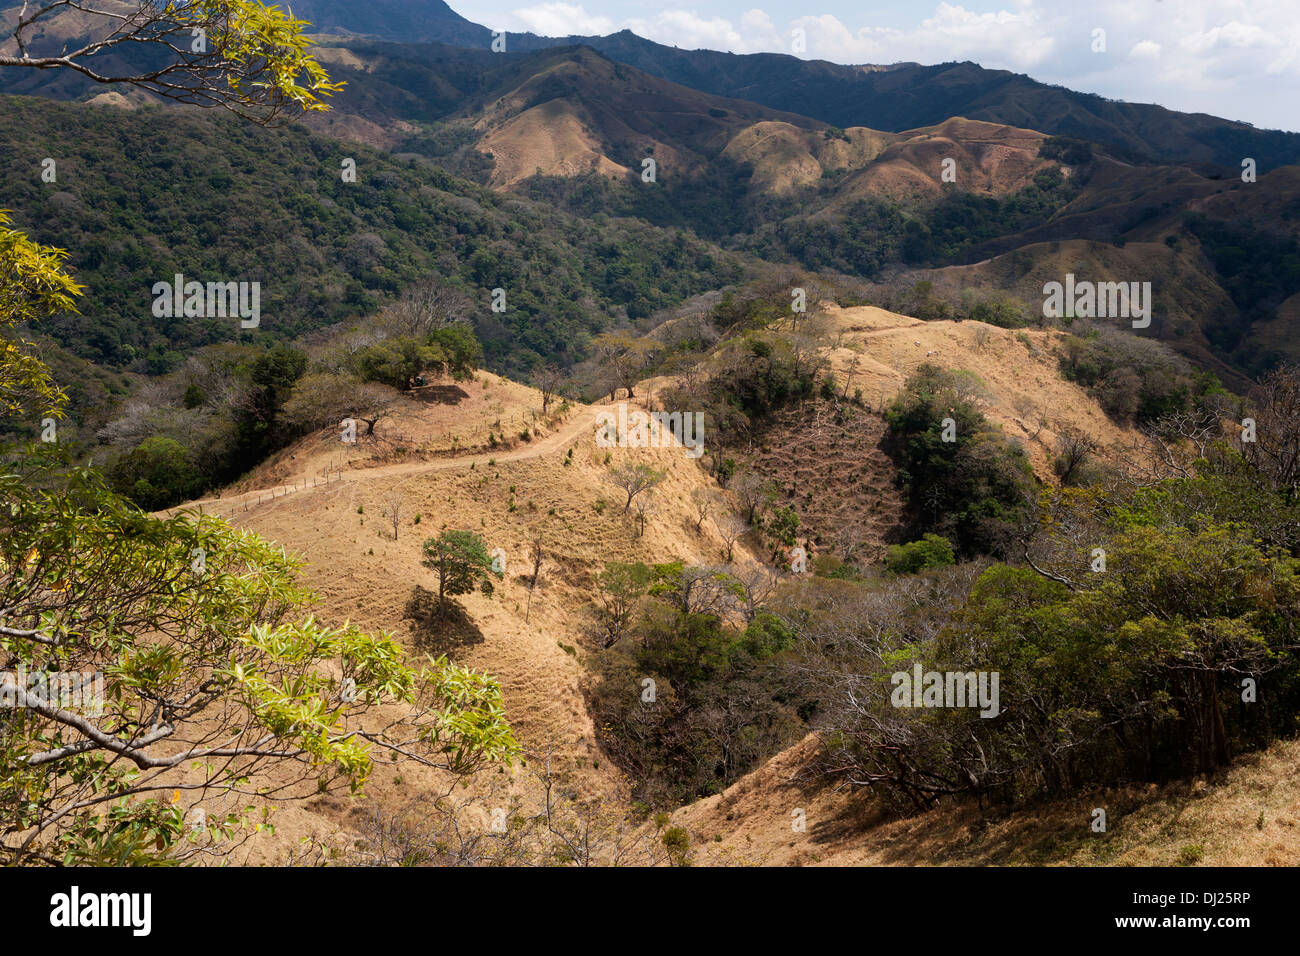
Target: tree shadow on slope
x=436 y=632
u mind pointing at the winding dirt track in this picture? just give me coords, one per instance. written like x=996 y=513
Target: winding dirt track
x=582 y=421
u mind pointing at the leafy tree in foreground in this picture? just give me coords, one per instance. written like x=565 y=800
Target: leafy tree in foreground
x=33 y=286
x=156 y=686
x=184 y=675
x=239 y=55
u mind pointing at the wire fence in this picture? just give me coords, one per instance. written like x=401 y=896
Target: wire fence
x=229 y=507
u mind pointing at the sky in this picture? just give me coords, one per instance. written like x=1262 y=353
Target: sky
x=1238 y=59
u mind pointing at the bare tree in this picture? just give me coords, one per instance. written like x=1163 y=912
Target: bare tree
x=752 y=491
x=427 y=306
x=549 y=381
x=704 y=590
x=393 y=503
x=730 y=528
x=645 y=506
x=702 y=502
x=324 y=398
x=1074 y=449
x=757 y=585
x=845 y=642
x=806 y=357
x=623 y=357
x=854 y=366
x=634 y=479
x=1275 y=452
x=1169 y=448
x=537 y=569
x=497 y=828
x=372 y=403
x=846 y=540
x=1028 y=410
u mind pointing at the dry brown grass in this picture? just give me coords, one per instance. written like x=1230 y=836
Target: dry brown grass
x=1247 y=816
x=509 y=495
x=876 y=350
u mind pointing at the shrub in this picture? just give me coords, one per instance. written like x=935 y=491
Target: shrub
x=973 y=489
x=157 y=473
x=931 y=551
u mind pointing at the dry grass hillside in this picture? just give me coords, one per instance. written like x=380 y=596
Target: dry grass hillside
x=875 y=350
x=784 y=155
x=990 y=159
x=551 y=138
x=328 y=503
x=1247 y=816
x=325 y=502
x=579 y=112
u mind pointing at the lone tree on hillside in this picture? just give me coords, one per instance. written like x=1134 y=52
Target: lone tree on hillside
x=549 y=381
x=323 y=399
x=730 y=528
x=537 y=554
x=635 y=479
x=393 y=509
x=429 y=305
x=371 y=403
x=461 y=561
x=1074 y=450
x=753 y=492
x=646 y=506
x=624 y=359
x=702 y=502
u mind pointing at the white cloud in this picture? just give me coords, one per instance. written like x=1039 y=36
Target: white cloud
x=1017 y=40
x=1145 y=50
x=562 y=20
x=690 y=31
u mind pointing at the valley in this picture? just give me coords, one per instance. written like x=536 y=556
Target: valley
x=442 y=454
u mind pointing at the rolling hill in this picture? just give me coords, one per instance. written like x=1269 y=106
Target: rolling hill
x=887 y=97
x=324 y=501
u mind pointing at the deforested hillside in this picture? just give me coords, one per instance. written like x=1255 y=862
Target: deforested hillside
x=572 y=129
x=693 y=581
x=527 y=453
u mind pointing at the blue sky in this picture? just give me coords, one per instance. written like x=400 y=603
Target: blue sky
x=1233 y=58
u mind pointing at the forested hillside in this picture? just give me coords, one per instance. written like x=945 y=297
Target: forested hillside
x=143 y=195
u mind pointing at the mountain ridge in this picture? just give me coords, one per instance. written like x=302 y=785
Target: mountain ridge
x=891 y=97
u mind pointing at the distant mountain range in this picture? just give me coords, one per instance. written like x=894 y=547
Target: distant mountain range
x=898 y=97
x=833 y=168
